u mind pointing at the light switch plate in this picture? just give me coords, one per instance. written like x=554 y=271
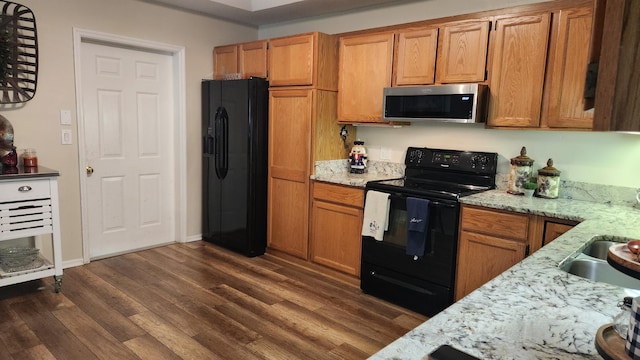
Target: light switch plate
x=66 y=136
x=65 y=117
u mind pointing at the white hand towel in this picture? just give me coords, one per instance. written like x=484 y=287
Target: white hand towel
x=376 y=214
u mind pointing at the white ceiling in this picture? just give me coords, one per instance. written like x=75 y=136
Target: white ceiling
x=263 y=12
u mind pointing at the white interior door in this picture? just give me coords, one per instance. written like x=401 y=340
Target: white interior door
x=127 y=104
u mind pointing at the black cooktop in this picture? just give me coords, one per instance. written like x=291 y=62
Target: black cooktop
x=443 y=173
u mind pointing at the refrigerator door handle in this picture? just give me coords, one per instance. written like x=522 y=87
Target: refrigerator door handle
x=217 y=125
x=224 y=117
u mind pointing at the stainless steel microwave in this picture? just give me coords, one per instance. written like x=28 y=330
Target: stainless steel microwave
x=462 y=103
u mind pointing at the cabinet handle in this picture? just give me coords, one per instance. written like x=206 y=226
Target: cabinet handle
x=24 y=188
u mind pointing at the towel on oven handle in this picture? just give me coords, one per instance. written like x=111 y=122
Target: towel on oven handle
x=376 y=214
x=417 y=225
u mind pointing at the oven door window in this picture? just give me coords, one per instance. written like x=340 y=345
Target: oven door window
x=443 y=216
x=438 y=263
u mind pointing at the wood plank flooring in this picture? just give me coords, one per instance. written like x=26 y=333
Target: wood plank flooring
x=195 y=301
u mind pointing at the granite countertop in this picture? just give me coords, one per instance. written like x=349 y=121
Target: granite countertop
x=534 y=310
x=357 y=180
x=337 y=172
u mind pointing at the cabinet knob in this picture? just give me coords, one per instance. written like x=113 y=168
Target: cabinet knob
x=89 y=170
x=24 y=188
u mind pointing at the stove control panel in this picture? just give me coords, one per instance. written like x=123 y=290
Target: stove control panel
x=470 y=161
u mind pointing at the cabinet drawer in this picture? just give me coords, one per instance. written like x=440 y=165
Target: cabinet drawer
x=339 y=194
x=24 y=190
x=496 y=223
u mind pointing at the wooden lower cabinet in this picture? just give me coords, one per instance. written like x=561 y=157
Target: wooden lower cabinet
x=302 y=130
x=483 y=257
x=553 y=229
x=290 y=119
x=491 y=241
x=336 y=223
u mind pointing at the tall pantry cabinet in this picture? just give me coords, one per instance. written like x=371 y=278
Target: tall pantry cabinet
x=302 y=130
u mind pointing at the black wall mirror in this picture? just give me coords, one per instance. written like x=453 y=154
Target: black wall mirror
x=18 y=53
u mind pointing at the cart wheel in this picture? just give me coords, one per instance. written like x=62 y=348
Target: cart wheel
x=57 y=283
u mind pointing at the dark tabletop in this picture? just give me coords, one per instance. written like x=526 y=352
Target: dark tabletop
x=20 y=172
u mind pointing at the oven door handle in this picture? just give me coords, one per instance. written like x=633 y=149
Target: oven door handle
x=399 y=197
x=441 y=204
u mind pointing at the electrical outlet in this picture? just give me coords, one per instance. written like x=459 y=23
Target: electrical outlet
x=385 y=153
x=66 y=136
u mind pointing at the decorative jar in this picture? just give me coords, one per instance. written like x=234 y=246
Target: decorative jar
x=521 y=169
x=548 y=181
x=29 y=158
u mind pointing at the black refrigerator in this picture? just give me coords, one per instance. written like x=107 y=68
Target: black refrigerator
x=234 y=164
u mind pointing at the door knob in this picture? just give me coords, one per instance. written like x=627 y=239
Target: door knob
x=89 y=170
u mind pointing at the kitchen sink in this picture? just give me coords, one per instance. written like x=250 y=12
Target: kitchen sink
x=592 y=264
x=600 y=271
x=599 y=249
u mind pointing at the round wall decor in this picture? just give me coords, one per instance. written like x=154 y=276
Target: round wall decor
x=18 y=53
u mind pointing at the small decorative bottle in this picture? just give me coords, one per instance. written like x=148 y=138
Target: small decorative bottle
x=11 y=158
x=621 y=321
x=29 y=158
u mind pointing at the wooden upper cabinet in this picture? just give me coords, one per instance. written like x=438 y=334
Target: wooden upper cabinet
x=415 y=57
x=304 y=60
x=246 y=59
x=252 y=59
x=568 y=62
x=225 y=61
x=617 y=101
x=364 y=71
x=462 y=52
x=518 y=70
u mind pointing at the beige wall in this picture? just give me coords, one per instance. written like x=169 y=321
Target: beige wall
x=601 y=158
x=36 y=123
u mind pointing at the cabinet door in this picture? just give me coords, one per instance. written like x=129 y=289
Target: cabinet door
x=364 y=70
x=496 y=223
x=253 y=59
x=289 y=156
x=225 y=61
x=462 y=52
x=415 y=59
x=291 y=60
x=483 y=257
x=517 y=71
x=617 y=102
x=335 y=236
x=569 y=66
x=552 y=230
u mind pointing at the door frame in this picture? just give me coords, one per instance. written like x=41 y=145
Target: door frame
x=180 y=145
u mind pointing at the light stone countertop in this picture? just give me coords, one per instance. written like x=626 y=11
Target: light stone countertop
x=534 y=310
x=337 y=172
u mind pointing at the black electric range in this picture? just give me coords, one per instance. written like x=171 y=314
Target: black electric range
x=424 y=283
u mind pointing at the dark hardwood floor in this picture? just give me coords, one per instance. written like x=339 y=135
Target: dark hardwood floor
x=195 y=301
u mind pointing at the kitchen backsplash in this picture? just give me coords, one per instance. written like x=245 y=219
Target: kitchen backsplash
x=606 y=194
